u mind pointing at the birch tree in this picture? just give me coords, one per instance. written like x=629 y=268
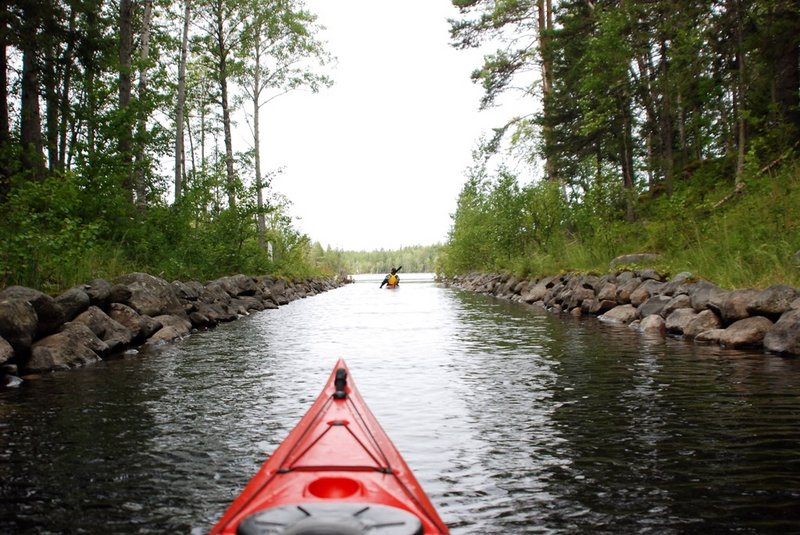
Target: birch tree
x=180 y=105
x=140 y=165
x=222 y=24
x=281 y=49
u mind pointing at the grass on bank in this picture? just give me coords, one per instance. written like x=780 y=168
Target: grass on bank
x=745 y=239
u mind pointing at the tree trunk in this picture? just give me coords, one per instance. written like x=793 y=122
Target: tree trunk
x=64 y=95
x=261 y=220
x=51 y=100
x=666 y=120
x=5 y=129
x=787 y=64
x=222 y=73
x=139 y=174
x=740 y=92
x=30 y=117
x=180 y=167
x=545 y=21
x=125 y=91
x=627 y=159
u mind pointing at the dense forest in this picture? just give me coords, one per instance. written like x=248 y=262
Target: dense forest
x=118 y=142
x=669 y=127
x=416 y=259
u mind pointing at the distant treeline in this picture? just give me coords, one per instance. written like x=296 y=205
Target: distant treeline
x=416 y=259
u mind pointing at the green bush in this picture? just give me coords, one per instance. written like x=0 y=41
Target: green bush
x=734 y=239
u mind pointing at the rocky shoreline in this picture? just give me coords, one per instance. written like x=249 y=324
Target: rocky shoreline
x=101 y=318
x=697 y=310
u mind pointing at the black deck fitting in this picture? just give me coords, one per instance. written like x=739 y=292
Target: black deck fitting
x=340 y=382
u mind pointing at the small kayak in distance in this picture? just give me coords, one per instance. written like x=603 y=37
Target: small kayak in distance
x=336 y=473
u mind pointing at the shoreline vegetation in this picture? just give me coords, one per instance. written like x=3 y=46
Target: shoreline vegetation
x=737 y=236
x=678 y=139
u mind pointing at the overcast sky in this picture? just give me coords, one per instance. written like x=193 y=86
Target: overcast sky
x=377 y=160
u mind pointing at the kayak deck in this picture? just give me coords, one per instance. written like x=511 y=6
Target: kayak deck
x=337 y=470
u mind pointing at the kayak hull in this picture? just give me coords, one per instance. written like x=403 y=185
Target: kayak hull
x=336 y=466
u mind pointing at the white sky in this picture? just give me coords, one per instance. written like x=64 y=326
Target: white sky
x=377 y=160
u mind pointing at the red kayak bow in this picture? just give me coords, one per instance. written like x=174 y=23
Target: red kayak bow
x=336 y=473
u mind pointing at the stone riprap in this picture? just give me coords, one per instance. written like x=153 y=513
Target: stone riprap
x=101 y=318
x=683 y=306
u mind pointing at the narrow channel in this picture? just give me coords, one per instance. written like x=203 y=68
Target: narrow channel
x=515 y=420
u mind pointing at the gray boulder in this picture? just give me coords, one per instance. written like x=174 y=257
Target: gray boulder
x=647 y=289
x=81 y=333
x=680 y=284
x=114 y=334
x=734 y=305
x=653 y=324
x=60 y=351
x=607 y=292
x=237 y=285
x=678 y=301
x=705 y=320
x=712 y=336
x=141 y=327
x=279 y=292
x=173 y=328
x=624 y=276
x=578 y=296
x=179 y=323
x=98 y=291
x=18 y=322
x=533 y=294
x=49 y=314
x=702 y=293
x=773 y=301
x=119 y=294
x=151 y=296
x=625 y=290
x=187 y=291
x=679 y=319
x=73 y=302
x=213 y=292
x=200 y=320
x=784 y=336
x=623 y=314
x=747 y=332
x=6 y=351
x=654 y=305
x=249 y=302
x=649 y=274
x=214 y=313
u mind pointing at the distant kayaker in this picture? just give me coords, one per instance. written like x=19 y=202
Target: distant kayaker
x=392 y=279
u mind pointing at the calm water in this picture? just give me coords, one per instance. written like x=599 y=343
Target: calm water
x=514 y=421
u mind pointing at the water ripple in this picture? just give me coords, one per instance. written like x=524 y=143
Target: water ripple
x=514 y=421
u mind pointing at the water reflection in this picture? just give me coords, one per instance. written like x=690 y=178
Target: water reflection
x=513 y=419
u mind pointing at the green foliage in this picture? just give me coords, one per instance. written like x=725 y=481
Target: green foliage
x=646 y=106
x=42 y=234
x=414 y=259
x=735 y=239
x=50 y=240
